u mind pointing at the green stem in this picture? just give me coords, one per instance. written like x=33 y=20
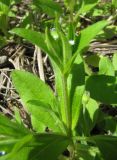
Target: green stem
x=66 y=104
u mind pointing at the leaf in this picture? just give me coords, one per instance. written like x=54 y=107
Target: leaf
x=40 y=147
x=102 y=88
x=52 y=145
x=48 y=6
x=87 y=5
x=106 y=67
x=107 y=145
x=16 y=151
x=54 y=121
x=76 y=81
x=90 y=115
x=86 y=152
x=41 y=41
x=7 y=143
x=67 y=49
x=4 y=8
x=88 y=34
x=92 y=60
x=54 y=49
x=114 y=61
x=34 y=37
x=70 y=4
x=31 y=87
x=114 y=3
x=83 y=40
x=9 y=128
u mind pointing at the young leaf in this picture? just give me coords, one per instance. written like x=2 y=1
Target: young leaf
x=67 y=49
x=54 y=49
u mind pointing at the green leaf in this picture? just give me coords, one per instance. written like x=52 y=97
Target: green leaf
x=54 y=49
x=2 y=41
x=88 y=34
x=90 y=115
x=114 y=3
x=46 y=43
x=70 y=4
x=48 y=6
x=7 y=143
x=4 y=9
x=83 y=40
x=34 y=37
x=40 y=147
x=86 y=152
x=31 y=87
x=52 y=145
x=76 y=83
x=92 y=60
x=102 y=88
x=87 y=5
x=106 y=67
x=67 y=49
x=52 y=119
x=107 y=145
x=114 y=61
x=10 y=128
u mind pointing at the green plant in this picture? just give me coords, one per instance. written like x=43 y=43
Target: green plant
x=73 y=111
x=5 y=14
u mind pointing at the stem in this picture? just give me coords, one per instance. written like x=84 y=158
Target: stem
x=66 y=104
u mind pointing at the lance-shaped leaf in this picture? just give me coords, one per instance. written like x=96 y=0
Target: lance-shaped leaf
x=67 y=48
x=9 y=128
x=89 y=34
x=54 y=49
x=40 y=40
x=34 y=37
x=31 y=87
x=48 y=6
x=87 y=5
x=41 y=147
x=107 y=145
x=76 y=83
x=83 y=40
